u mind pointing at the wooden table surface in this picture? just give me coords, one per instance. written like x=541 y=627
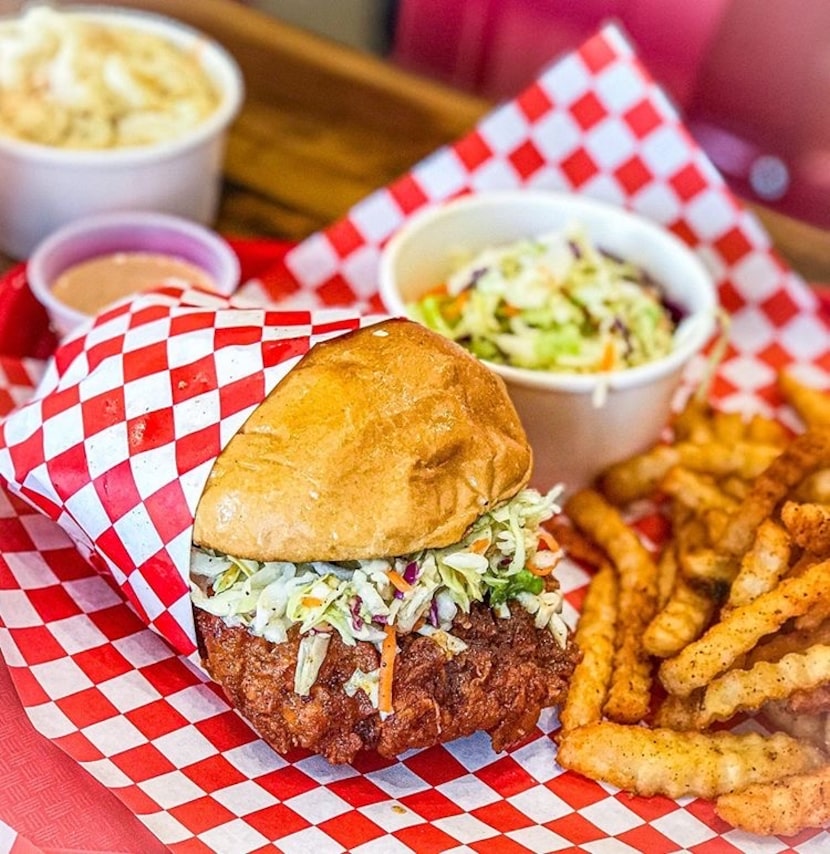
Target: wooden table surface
x=323 y=125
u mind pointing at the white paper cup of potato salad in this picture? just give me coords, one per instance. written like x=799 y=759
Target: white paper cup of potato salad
x=589 y=313
x=107 y=109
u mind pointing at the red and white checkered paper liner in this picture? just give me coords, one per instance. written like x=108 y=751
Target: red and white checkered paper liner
x=119 y=438
x=11 y=842
x=147 y=724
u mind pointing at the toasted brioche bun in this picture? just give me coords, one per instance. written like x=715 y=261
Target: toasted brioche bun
x=378 y=443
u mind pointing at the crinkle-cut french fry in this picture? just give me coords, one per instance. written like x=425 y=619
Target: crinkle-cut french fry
x=812 y=404
x=748 y=690
x=630 y=692
x=802 y=456
x=734 y=487
x=766 y=431
x=818 y=614
x=595 y=633
x=744 y=459
x=681 y=620
x=809 y=525
x=708 y=568
x=575 y=544
x=667 y=571
x=728 y=427
x=763 y=566
x=716 y=521
x=688 y=528
x=667 y=762
x=802 y=563
x=694 y=422
x=637 y=476
x=812 y=728
x=678 y=713
x=814 y=488
x=781 y=807
x=696 y=491
x=783 y=643
x=741 y=629
x=738 y=537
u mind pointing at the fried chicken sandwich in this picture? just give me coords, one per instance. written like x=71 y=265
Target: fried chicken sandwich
x=369 y=570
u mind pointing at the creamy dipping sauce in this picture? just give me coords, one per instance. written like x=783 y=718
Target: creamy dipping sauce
x=93 y=284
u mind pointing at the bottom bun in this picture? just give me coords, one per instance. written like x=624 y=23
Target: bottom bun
x=509 y=672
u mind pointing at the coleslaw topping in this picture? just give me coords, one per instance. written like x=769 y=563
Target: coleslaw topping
x=556 y=302
x=499 y=560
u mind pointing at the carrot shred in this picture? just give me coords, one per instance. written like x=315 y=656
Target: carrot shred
x=509 y=310
x=312 y=601
x=398 y=581
x=479 y=546
x=453 y=309
x=549 y=540
x=609 y=357
x=437 y=291
x=388 y=651
x=540 y=571
x=552 y=546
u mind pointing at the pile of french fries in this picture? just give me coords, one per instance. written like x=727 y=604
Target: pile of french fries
x=706 y=661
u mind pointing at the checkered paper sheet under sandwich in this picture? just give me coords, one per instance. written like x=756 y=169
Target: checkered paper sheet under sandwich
x=145 y=722
x=119 y=438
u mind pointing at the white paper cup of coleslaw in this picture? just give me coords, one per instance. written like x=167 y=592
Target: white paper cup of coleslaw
x=577 y=424
x=43 y=187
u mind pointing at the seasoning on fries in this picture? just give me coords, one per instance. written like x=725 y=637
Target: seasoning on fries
x=595 y=638
x=663 y=761
x=741 y=629
x=738 y=605
x=782 y=807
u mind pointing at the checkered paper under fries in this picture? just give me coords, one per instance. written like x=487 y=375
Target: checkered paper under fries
x=149 y=727
x=120 y=436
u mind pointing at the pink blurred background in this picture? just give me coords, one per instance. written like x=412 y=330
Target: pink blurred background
x=751 y=77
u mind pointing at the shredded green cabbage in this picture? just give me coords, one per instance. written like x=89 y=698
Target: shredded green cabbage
x=554 y=303
x=358 y=598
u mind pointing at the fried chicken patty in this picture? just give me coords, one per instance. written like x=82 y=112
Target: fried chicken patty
x=510 y=672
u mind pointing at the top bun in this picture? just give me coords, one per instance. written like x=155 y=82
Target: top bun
x=378 y=443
